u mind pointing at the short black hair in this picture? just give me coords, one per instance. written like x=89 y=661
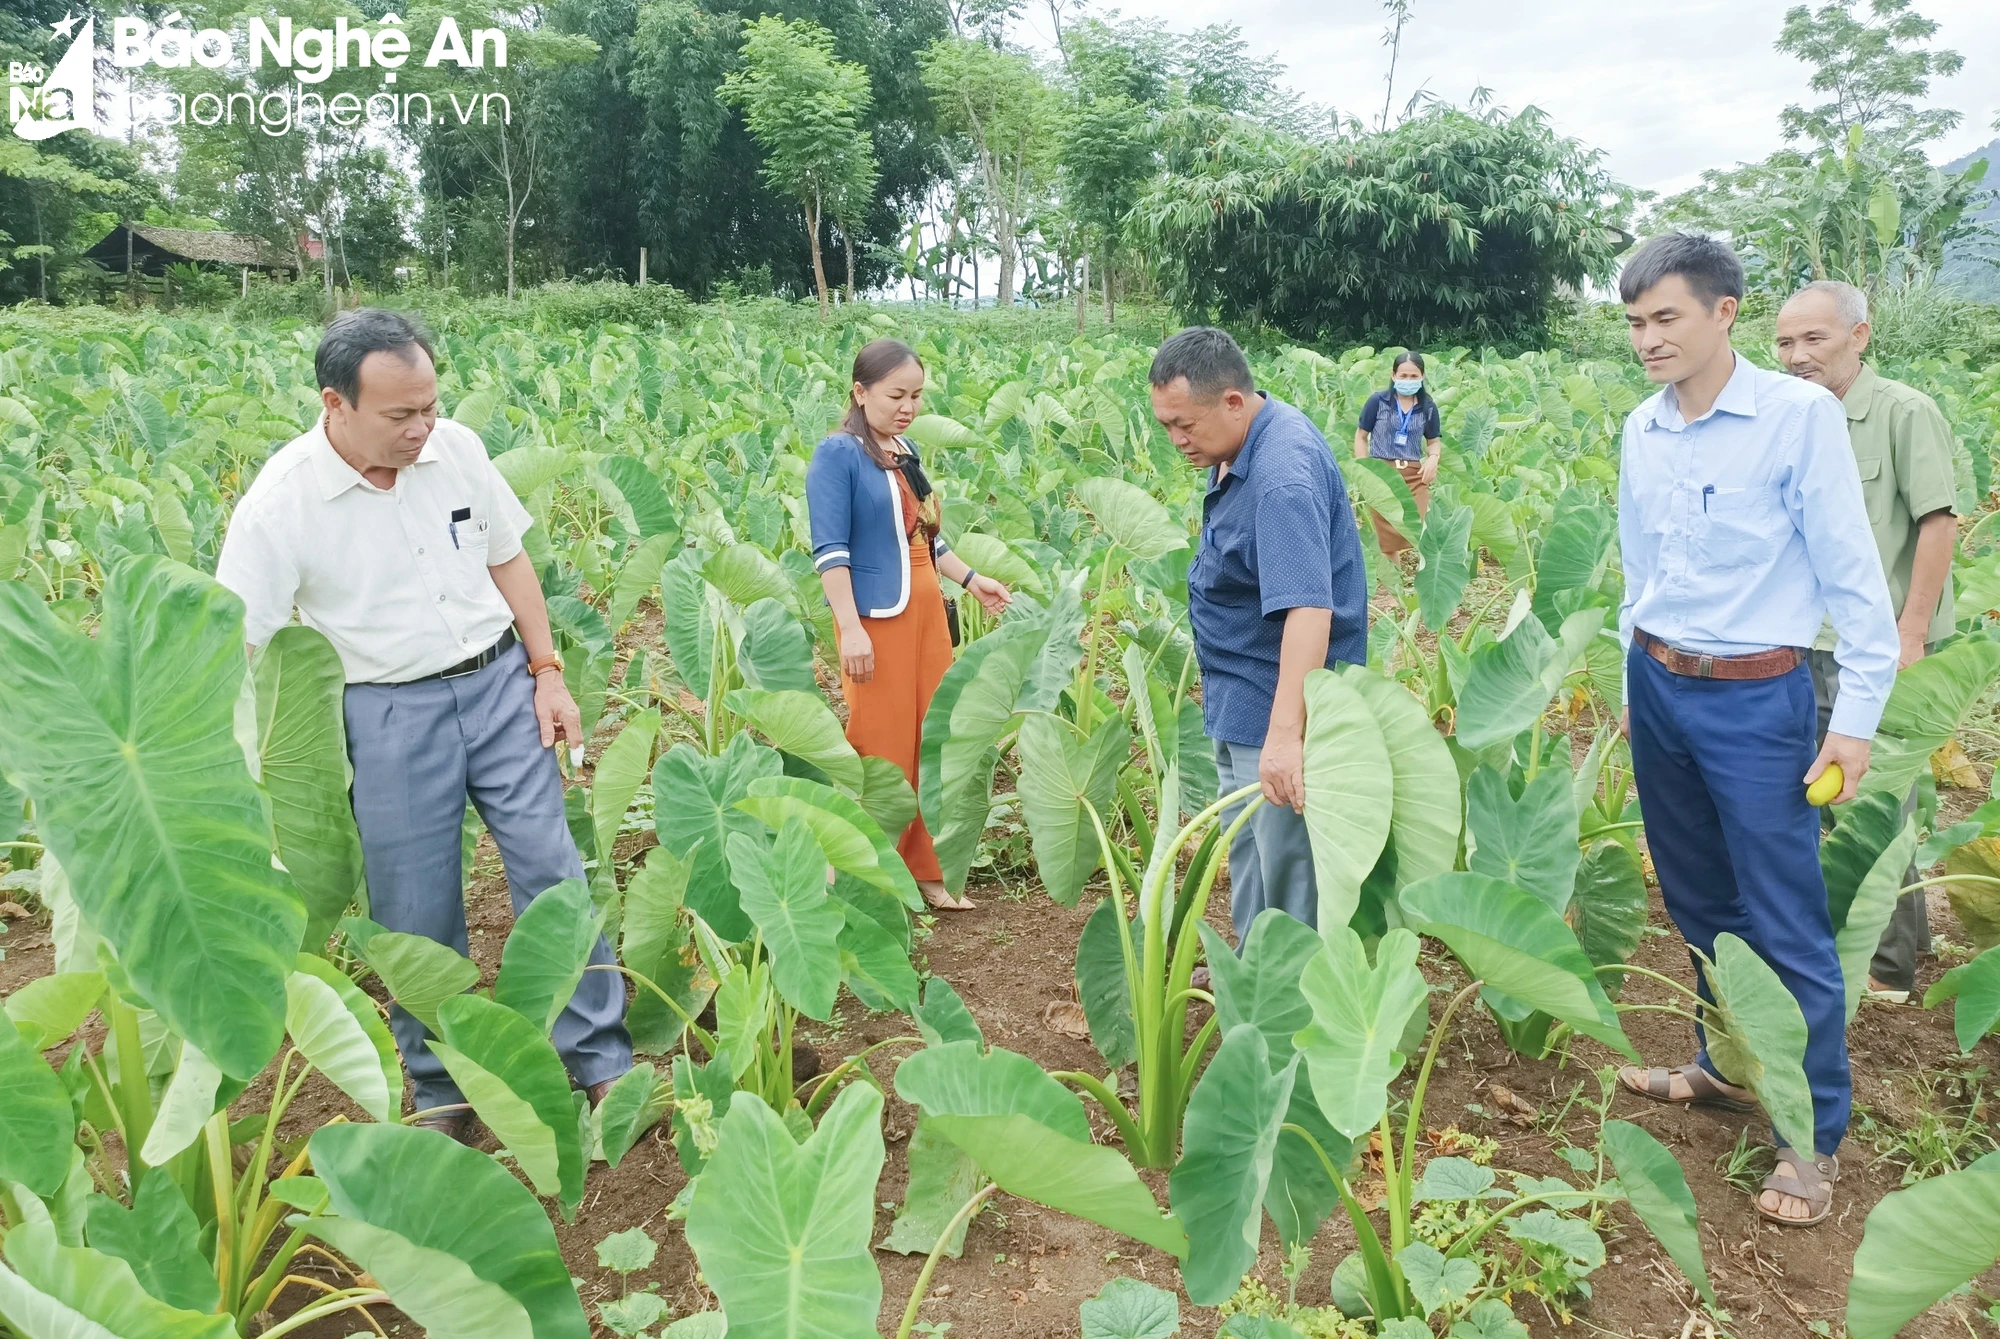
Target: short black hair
x=1211 y=361
x=353 y=335
x=1707 y=263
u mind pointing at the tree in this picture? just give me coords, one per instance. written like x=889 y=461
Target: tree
x=804 y=108
x=1009 y=115
x=1859 y=201
x=1451 y=225
x=1107 y=156
x=1875 y=68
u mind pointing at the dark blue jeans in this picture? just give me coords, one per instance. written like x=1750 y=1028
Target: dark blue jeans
x=1719 y=765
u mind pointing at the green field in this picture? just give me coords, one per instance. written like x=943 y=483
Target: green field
x=191 y=1013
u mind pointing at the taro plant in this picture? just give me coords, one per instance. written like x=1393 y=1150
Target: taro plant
x=141 y=752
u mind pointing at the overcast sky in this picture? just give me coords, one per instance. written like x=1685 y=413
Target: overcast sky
x=1665 y=90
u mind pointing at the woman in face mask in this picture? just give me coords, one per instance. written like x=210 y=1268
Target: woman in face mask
x=1401 y=425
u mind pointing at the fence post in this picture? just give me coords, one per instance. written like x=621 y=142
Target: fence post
x=642 y=267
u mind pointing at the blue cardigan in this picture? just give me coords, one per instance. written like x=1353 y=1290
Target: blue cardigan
x=856 y=508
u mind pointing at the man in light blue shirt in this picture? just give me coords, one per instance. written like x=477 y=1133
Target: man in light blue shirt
x=1742 y=526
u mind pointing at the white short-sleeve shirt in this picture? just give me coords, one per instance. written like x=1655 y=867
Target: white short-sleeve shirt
x=396 y=578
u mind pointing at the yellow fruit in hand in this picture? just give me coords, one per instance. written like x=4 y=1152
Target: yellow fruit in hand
x=1821 y=792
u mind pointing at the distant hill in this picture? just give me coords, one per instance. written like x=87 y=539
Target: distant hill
x=1962 y=271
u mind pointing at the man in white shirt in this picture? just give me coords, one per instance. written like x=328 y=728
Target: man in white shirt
x=391 y=532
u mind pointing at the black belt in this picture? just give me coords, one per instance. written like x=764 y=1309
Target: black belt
x=474 y=664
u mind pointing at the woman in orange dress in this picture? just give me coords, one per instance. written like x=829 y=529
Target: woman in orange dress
x=876 y=542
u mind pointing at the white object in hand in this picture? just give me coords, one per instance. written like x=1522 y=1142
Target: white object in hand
x=576 y=755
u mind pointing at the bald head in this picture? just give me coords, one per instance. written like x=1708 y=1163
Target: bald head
x=1823 y=332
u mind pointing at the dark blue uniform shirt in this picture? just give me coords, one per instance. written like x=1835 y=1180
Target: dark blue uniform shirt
x=1277 y=534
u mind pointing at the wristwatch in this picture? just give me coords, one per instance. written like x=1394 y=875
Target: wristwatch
x=540 y=663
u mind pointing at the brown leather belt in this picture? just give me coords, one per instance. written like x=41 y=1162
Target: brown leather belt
x=1757 y=665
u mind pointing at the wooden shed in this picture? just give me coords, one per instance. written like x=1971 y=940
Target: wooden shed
x=145 y=249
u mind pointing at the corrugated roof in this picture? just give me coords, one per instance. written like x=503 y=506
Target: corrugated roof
x=225 y=248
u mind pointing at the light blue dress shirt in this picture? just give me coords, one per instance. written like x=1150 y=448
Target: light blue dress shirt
x=1746 y=528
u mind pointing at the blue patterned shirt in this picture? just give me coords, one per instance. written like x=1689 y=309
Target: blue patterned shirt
x=1277 y=534
x=1746 y=528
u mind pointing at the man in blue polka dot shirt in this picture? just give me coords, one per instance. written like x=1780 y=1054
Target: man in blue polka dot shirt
x=1278 y=588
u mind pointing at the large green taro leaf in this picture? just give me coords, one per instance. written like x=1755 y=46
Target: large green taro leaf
x=970 y=710
x=942 y=1178
x=1353 y=1046
x=874 y=963
x=36 y=1124
x=1529 y=842
x=1510 y=682
x=1445 y=546
x=52 y=1291
x=1133 y=518
x=621 y=770
x=1608 y=909
x=546 y=952
x=886 y=795
x=694 y=811
x=302 y=754
x=1925 y=709
x=783 y=887
x=1761 y=1044
x=126 y=742
x=689 y=625
x=1921 y=1243
x=1975 y=986
x=159 y=1237
x=419 y=973
x=802 y=725
x=1261 y=988
x=1575 y=551
x=746 y=574
x=654 y=942
x=781 y=1227
x=1030 y=1134
x=420 y=1189
x=1229 y=1141
x=652 y=511
x=1510 y=939
x=513 y=1078
x=1350 y=800
x=776 y=652
x=1102 y=986
x=1658 y=1192
x=1425 y=822
x=1848 y=853
x=1860 y=930
x=850 y=839
x=337 y=1028
x=1063 y=779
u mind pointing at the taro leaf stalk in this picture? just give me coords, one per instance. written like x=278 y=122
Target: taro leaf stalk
x=1158 y=966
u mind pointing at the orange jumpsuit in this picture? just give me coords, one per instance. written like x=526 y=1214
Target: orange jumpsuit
x=885 y=716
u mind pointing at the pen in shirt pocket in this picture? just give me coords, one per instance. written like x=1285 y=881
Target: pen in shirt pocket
x=1707 y=492
x=460 y=514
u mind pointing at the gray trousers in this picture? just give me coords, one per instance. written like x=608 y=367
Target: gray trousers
x=1909 y=929
x=420 y=750
x=1271 y=861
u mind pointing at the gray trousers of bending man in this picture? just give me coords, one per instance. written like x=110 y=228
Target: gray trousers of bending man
x=420 y=751
x=1271 y=860
x=1909 y=930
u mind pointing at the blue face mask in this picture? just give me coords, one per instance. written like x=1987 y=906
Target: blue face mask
x=1408 y=387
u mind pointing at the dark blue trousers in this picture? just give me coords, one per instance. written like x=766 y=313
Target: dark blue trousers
x=1719 y=765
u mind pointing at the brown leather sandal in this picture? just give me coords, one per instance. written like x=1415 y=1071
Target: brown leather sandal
x=1705 y=1090
x=1817 y=1193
